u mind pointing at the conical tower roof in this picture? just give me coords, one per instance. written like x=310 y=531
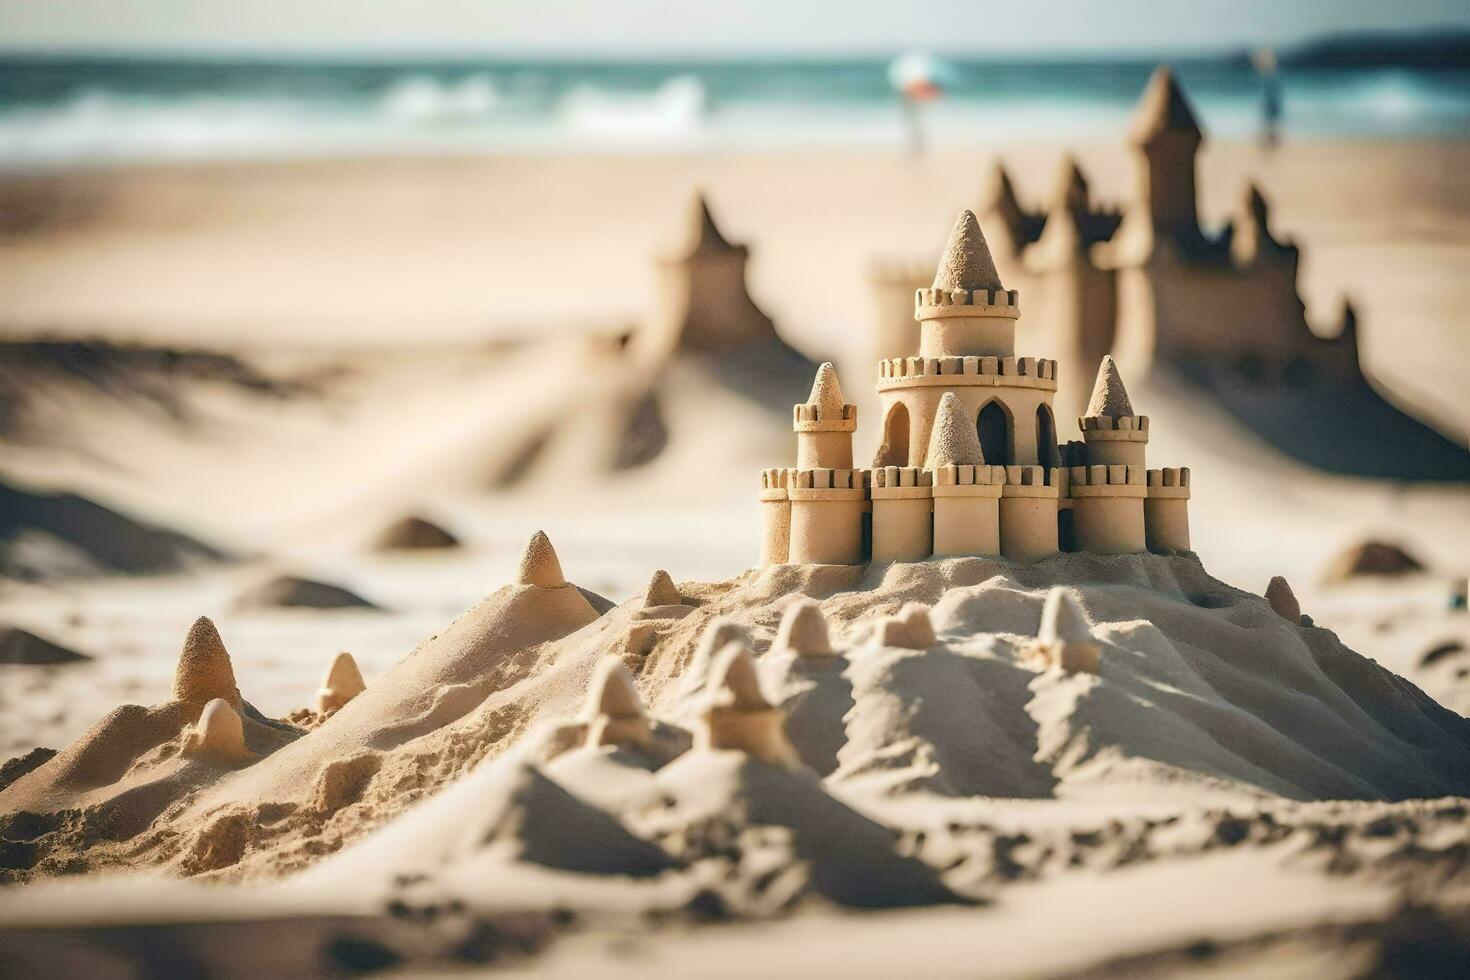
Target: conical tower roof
x=967 y=263
x=1109 y=397
x=219 y=734
x=204 y=671
x=826 y=393
x=1000 y=197
x=954 y=440
x=702 y=236
x=1071 y=192
x=1164 y=109
x=539 y=564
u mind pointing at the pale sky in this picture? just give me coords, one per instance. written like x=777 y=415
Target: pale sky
x=699 y=27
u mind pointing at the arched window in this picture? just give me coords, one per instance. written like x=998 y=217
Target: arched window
x=895 y=450
x=1046 y=437
x=994 y=427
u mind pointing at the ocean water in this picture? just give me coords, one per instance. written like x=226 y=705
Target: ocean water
x=57 y=112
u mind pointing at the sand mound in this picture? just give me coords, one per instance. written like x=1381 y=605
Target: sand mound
x=414 y=533
x=1371 y=558
x=1196 y=685
x=291 y=592
x=17 y=646
x=54 y=535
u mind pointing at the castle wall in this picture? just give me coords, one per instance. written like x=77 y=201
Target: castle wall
x=775 y=517
x=903 y=504
x=1020 y=384
x=831 y=450
x=827 y=507
x=1028 y=513
x=1108 y=509
x=967 y=510
x=1166 y=510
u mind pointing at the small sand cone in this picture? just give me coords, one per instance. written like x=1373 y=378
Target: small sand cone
x=1065 y=639
x=954 y=440
x=204 y=672
x=911 y=629
x=344 y=682
x=614 y=711
x=1109 y=397
x=720 y=633
x=739 y=716
x=219 y=735
x=803 y=631
x=827 y=393
x=1283 y=601
x=539 y=564
x=967 y=263
x=661 y=591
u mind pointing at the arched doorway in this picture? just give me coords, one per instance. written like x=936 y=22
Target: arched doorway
x=895 y=448
x=1046 y=438
x=994 y=426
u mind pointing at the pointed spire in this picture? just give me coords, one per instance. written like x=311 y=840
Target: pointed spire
x=1283 y=601
x=735 y=681
x=967 y=263
x=612 y=692
x=827 y=393
x=1062 y=620
x=343 y=683
x=1163 y=109
x=1109 y=397
x=1072 y=193
x=703 y=236
x=539 y=564
x=204 y=671
x=1254 y=203
x=661 y=591
x=219 y=734
x=1001 y=200
x=803 y=630
x=954 y=440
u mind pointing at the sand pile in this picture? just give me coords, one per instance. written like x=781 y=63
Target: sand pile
x=414 y=533
x=1379 y=558
x=58 y=535
x=18 y=646
x=293 y=592
x=885 y=683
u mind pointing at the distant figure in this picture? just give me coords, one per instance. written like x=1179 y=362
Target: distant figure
x=1264 y=61
x=917 y=78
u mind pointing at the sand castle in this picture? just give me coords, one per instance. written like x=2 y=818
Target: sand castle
x=969 y=463
x=1146 y=283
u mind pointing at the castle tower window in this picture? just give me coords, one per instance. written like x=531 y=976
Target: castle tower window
x=1046 y=437
x=895 y=449
x=994 y=426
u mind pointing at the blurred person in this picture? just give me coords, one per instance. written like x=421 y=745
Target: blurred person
x=1264 y=61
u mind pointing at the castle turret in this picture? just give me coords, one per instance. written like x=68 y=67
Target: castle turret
x=966 y=491
x=1108 y=493
x=966 y=311
x=1168 y=138
x=827 y=496
x=703 y=301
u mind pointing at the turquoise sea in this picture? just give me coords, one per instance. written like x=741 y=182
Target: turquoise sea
x=57 y=111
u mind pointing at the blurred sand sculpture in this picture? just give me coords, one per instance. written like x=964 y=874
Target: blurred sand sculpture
x=1147 y=284
x=970 y=463
x=294 y=592
x=414 y=533
x=18 y=646
x=1065 y=640
x=343 y=683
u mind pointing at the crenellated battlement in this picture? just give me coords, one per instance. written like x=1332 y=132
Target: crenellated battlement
x=1115 y=480
x=930 y=303
x=822 y=483
x=774 y=483
x=898 y=477
x=1169 y=482
x=1014 y=372
x=807 y=417
x=1090 y=424
x=967 y=475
